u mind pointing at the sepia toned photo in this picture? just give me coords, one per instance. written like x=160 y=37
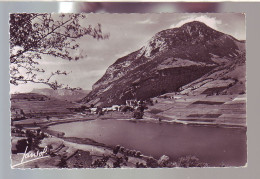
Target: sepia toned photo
x=128 y=90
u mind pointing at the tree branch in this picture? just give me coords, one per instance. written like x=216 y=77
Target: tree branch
x=27 y=49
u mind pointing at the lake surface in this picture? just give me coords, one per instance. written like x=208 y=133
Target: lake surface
x=216 y=146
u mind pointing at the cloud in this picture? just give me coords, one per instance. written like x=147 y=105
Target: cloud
x=94 y=73
x=210 y=21
x=146 y=21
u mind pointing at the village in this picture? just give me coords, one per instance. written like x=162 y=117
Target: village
x=71 y=153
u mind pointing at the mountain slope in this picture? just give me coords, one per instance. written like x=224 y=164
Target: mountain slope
x=34 y=104
x=62 y=94
x=172 y=59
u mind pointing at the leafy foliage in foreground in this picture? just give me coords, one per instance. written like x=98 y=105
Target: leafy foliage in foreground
x=34 y=35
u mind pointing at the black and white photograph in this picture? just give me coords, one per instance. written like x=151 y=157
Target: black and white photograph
x=130 y=90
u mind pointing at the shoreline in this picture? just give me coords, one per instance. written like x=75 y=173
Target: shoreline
x=164 y=120
x=148 y=117
x=88 y=143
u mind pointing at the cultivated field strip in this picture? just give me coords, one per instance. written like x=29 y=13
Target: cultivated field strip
x=228 y=110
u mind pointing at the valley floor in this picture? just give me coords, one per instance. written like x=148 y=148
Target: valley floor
x=216 y=111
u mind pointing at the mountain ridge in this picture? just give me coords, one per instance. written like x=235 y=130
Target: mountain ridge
x=62 y=94
x=172 y=58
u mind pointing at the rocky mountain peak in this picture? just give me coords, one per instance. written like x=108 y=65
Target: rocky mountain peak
x=192 y=33
x=171 y=59
x=195 y=24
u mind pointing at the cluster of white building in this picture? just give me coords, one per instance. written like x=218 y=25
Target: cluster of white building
x=105 y=109
x=129 y=103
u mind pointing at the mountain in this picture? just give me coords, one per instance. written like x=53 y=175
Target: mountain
x=35 y=104
x=170 y=61
x=62 y=94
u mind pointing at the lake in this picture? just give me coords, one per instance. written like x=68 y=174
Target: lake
x=213 y=145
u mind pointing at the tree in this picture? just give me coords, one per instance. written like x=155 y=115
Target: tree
x=34 y=35
x=138 y=114
x=48 y=118
x=190 y=161
x=63 y=162
x=21 y=146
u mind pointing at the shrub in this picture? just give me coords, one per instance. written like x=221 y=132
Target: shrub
x=138 y=114
x=242 y=92
x=116 y=149
x=122 y=149
x=63 y=163
x=21 y=146
x=163 y=161
x=151 y=163
x=190 y=161
x=83 y=108
x=126 y=108
x=140 y=165
x=99 y=163
x=138 y=154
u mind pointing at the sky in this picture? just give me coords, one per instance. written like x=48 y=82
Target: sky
x=128 y=33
